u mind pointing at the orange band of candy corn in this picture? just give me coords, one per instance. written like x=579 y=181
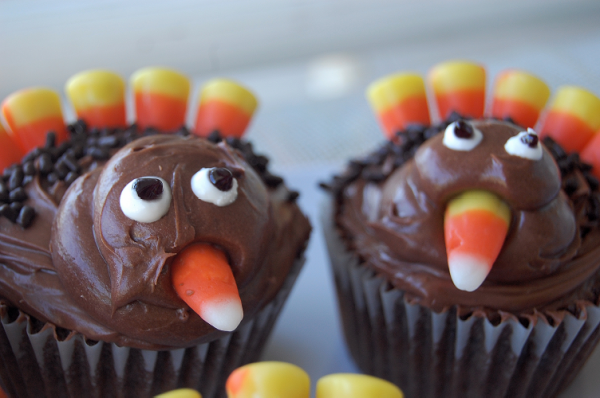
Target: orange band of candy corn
x=31 y=114
x=520 y=96
x=458 y=86
x=399 y=100
x=573 y=118
x=224 y=106
x=10 y=152
x=161 y=97
x=98 y=97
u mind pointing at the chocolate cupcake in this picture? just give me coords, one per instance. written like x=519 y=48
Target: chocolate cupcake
x=138 y=259
x=466 y=254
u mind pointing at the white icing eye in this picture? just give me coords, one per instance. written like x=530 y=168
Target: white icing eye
x=526 y=144
x=215 y=185
x=146 y=199
x=462 y=136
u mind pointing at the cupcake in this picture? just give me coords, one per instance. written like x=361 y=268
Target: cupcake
x=138 y=258
x=466 y=254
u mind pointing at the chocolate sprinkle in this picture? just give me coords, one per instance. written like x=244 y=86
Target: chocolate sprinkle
x=221 y=178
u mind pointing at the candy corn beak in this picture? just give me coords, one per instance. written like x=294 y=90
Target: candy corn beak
x=161 y=97
x=268 y=380
x=98 y=97
x=225 y=106
x=31 y=114
x=345 y=385
x=399 y=100
x=520 y=96
x=203 y=279
x=475 y=226
x=458 y=86
x=573 y=118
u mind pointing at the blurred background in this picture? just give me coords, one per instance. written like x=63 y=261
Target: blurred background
x=309 y=63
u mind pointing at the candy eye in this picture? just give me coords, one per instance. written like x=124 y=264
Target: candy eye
x=461 y=136
x=526 y=144
x=146 y=199
x=215 y=185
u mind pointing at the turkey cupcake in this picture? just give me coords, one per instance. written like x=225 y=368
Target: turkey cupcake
x=466 y=253
x=136 y=259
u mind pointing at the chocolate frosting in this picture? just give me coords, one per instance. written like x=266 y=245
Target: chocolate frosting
x=396 y=226
x=84 y=266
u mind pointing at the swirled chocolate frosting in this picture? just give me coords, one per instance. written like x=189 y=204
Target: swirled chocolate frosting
x=390 y=211
x=85 y=266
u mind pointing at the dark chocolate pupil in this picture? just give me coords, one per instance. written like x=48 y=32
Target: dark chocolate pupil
x=463 y=129
x=221 y=178
x=530 y=140
x=148 y=188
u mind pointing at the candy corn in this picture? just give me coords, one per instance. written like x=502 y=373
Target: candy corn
x=399 y=100
x=203 y=279
x=520 y=96
x=10 y=152
x=347 y=385
x=573 y=118
x=475 y=226
x=161 y=97
x=98 y=97
x=458 y=86
x=180 y=393
x=224 y=106
x=591 y=154
x=31 y=114
x=268 y=380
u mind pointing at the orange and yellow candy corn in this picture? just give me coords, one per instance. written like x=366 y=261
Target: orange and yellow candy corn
x=268 y=380
x=458 y=86
x=180 y=393
x=161 y=97
x=475 y=225
x=98 y=97
x=520 y=96
x=591 y=154
x=10 y=152
x=572 y=118
x=203 y=279
x=31 y=114
x=399 y=100
x=224 y=106
x=346 y=385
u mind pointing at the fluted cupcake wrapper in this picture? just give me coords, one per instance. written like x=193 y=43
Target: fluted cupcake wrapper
x=429 y=354
x=41 y=360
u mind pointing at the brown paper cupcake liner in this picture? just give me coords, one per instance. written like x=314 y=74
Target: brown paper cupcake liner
x=429 y=354
x=41 y=360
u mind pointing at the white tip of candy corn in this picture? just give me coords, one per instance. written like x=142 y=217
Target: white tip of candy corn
x=223 y=314
x=467 y=271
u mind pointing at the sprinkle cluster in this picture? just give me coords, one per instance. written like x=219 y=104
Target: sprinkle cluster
x=63 y=163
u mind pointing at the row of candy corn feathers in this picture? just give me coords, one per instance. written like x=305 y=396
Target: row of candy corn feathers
x=98 y=97
x=572 y=119
x=280 y=379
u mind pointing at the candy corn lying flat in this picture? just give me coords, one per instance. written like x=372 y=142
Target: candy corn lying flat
x=458 y=86
x=520 y=96
x=475 y=226
x=591 y=154
x=268 y=380
x=572 y=118
x=31 y=114
x=180 y=393
x=346 y=385
x=161 y=97
x=399 y=100
x=224 y=106
x=203 y=279
x=98 y=97
x=10 y=152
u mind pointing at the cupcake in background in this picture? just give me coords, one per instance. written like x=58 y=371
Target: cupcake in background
x=138 y=258
x=466 y=253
